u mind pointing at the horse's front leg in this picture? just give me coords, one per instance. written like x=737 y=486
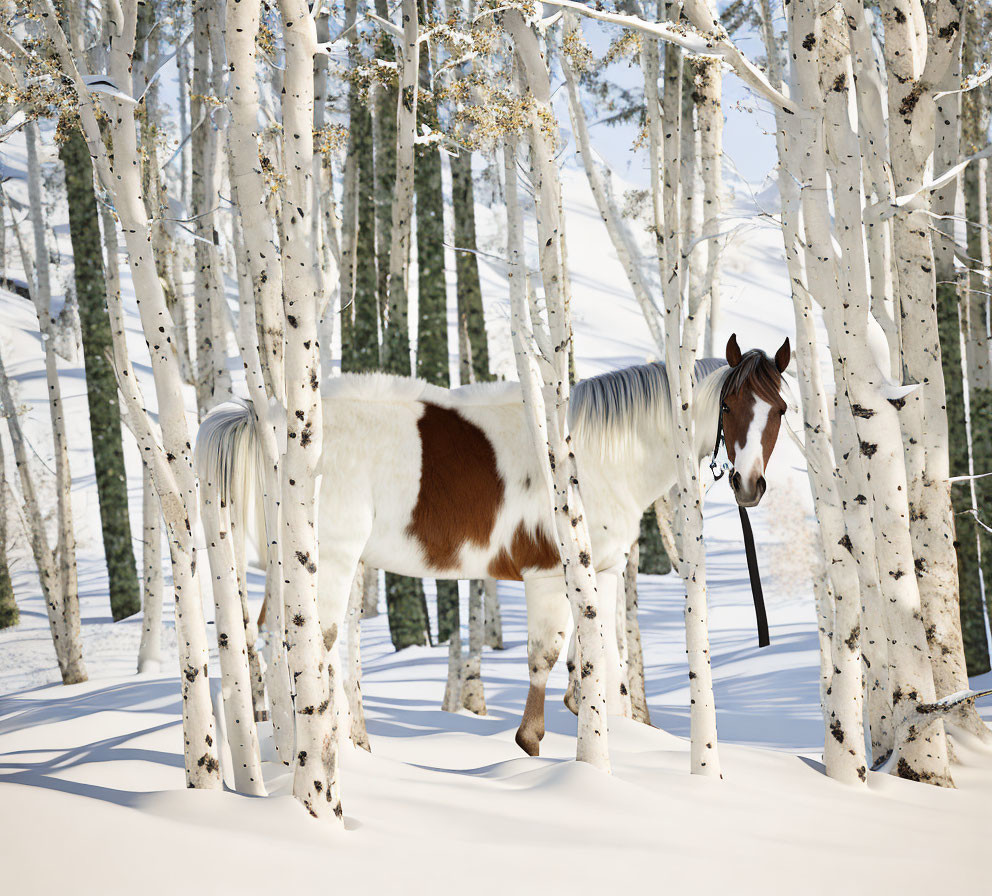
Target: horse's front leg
x=612 y=604
x=547 y=621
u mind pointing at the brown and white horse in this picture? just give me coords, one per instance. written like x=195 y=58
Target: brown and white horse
x=438 y=483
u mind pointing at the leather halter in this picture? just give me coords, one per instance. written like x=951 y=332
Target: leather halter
x=761 y=618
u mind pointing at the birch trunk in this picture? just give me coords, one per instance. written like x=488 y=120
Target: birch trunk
x=875 y=419
x=41 y=295
x=494 y=618
x=262 y=345
x=174 y=475
x=232 y=647
x=452 y=699
x=150 y=648
x=620 y=236
x=546 y=393
x=635 y=655
x=915 y=66
x=353 y=682
x=975 y=316
x=9 y=613
x=473 y=695
x=316 y=769
x=680 y=354
x=370 y=599
x=709 y=118
x=68 y=647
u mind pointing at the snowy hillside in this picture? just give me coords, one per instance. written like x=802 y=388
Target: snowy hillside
x=448 y=801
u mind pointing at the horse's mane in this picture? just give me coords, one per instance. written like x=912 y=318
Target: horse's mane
x=607 y=410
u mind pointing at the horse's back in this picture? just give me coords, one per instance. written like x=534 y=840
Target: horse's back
x=445 y=481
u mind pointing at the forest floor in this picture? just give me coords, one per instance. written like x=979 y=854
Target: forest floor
x=92 y=796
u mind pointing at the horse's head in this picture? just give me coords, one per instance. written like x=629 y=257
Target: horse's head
x=752 y=410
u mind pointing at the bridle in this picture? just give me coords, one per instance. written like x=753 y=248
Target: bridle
x=714 y=466
x=761 y=618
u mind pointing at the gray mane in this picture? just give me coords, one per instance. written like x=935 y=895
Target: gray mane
x=611 y=407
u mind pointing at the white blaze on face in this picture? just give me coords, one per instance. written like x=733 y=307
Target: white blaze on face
x=750 y=459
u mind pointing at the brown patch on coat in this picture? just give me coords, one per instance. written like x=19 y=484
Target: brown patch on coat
x=461 y=491
x=528 y=550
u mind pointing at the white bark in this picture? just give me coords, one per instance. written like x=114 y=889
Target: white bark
x=494 y=618
x=635 y=655
x=408 y=60
x=232 y=647
x=260 y=339
x=544 y=379
x=616 y=226
x=315 y=781
x=916 y=65
x=452 y=699
x=874 y=419
x=353 y=681
x=150 y=648
x=41 y=295
x=171 y=461
x=681 y=340
x=473 y=696
x=370 y=599
x=709 y=118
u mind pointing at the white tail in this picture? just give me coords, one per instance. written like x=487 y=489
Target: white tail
x=228 y=460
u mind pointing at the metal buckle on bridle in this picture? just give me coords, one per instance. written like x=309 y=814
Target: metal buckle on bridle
x=726 y=465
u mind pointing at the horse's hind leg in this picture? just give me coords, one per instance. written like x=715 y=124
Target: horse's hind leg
x=340 y=554
x=547 y=621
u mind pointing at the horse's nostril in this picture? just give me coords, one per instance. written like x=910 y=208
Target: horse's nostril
x=760 y=484
x=735 y=479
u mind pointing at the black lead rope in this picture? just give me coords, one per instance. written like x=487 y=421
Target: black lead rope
x=752 y=570
x=757 y=595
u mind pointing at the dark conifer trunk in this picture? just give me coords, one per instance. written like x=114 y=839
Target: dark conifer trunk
x=9 y=614
x=101 y=386
x=405 y=602
x=652 y=557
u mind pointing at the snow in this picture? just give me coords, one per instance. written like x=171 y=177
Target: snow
x=91 y=776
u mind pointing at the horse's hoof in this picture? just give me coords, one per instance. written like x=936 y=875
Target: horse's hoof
x=528 y=742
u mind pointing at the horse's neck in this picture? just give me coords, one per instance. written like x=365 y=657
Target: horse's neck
x=648 y=469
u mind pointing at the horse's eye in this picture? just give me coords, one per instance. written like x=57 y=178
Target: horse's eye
x=724 y=409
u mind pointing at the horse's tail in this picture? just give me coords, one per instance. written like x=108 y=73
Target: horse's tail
x=228 y=462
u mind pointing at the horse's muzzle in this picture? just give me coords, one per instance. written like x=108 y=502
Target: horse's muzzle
x=747 y=497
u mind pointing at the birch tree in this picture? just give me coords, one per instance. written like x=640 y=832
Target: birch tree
x=543 y=374
x=150 y=648
x=120 y=176
x=9 y=613
x=315 y=772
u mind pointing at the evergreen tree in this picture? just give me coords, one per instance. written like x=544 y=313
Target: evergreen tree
x=9 y=614
x=974 y=137
x=432 y=330
x=473 y=343
x=101 y=385
x=405 y=602
x=653 y=559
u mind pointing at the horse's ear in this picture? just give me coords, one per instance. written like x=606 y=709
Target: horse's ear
x=733 y=351
x=783 y=356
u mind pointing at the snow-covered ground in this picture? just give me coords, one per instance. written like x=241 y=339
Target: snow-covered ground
x=92 y=796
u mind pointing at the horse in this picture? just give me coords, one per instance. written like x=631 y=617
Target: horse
x=445 y=484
